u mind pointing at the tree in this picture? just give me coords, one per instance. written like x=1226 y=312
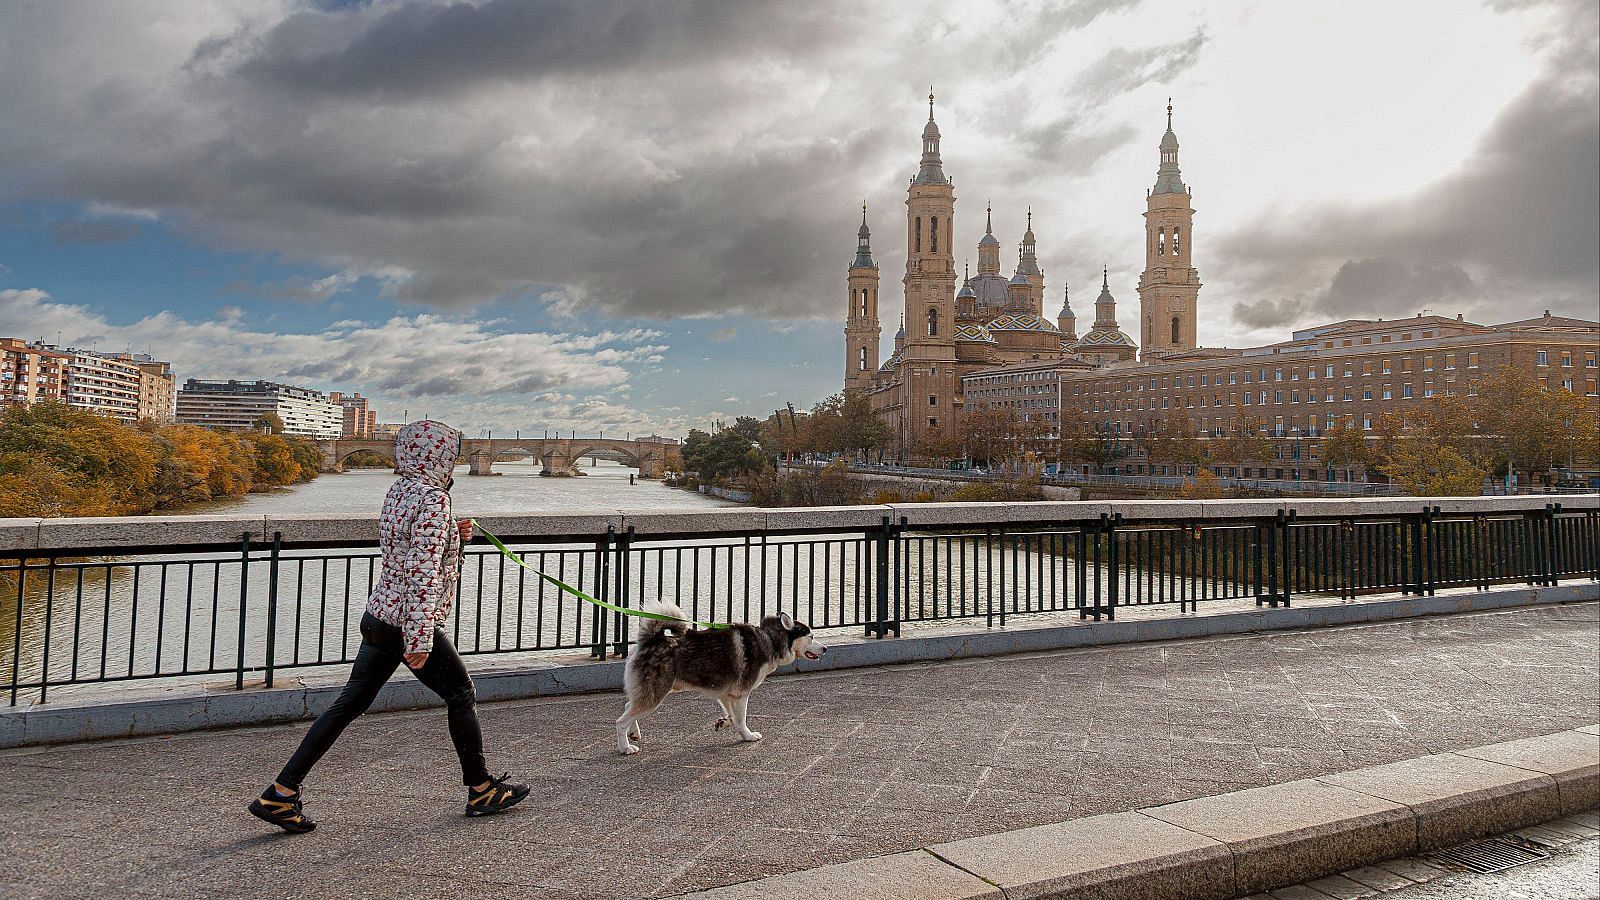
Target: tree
x=727 y=453
x=269 y=422
x=1080 y=443
x=276 y=465
x=1432 y=470
x=1248 y=443
x=111 y=466
x=1345 y=447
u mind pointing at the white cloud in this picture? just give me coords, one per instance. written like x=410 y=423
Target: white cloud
x=465 y=370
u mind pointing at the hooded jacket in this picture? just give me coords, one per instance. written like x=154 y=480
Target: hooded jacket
x=417 y=536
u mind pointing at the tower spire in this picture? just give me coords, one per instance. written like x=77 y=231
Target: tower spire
x=864 y=243
x=1168 y=178
x=932 y=171
x=988 y=211
x=930 y=103
x=1169 y=112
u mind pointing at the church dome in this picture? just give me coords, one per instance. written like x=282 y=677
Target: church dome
x=966 y=291
x=1019 y=278
x=1110 y=337
x=1026 y=322
x=967 y=331
x=989 y=240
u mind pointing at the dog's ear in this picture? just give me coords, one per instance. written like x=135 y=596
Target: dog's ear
x=786 y=621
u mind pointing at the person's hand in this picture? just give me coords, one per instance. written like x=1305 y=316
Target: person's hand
x=465 y=527
x=415 y=661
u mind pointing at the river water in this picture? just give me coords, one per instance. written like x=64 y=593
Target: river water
x=516 y=488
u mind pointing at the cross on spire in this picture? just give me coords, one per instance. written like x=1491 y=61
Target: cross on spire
x=930 y=103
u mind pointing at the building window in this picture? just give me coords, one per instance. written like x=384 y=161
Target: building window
x=1566 y=384
x=1386 y=367
x=1366 y=423
x=1449 y=360
x=933 y=235
x=1405 y=392
x=1161 y=241
x=933 y=422
x=1541 y=358
x=1176 y=249
x=1589 y=360
x=863 y=359
x=917 y=246
x=1566 y=359
x=933 y=399
x=1472 y=360
x=1176 y=338
x=933 y=323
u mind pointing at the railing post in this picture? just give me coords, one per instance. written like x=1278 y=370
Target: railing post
x=16 y=628
x=272 y=605
x=1274 y=560
x=602 y=576
x=1551 y=567
x=877 y=625
x=624 y=572
x=1113 y=562
x=244 y=602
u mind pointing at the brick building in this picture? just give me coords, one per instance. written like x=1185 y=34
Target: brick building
x=1346 y=373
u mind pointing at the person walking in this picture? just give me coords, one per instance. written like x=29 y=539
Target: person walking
x=421 y=546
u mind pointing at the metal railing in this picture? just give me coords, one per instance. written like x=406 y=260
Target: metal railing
x=82 y=615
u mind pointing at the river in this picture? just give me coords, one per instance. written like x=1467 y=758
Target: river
x=517 y=488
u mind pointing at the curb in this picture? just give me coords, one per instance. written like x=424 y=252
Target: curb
x=211 y=707
x=1232 y=845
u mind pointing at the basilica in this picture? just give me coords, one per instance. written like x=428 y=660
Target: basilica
x=958 y=325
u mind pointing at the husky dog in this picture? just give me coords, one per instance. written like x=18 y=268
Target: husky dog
x=723 y=663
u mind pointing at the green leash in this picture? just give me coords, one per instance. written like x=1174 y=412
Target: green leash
x=637 y=613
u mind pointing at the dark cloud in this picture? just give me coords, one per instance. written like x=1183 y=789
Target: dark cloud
x=423 y=48
x=93 y=231
x=1367 y=288
x=1511 y=232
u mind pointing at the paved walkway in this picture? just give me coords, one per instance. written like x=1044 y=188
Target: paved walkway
x=856 y=763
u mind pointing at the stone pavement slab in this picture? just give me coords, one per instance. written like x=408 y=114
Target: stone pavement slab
x=1108 y=857
x=1284 y=834
x=1457 y=798
x=1571 y=758
x=856 y=764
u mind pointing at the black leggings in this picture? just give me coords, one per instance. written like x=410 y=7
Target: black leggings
x=382 y=651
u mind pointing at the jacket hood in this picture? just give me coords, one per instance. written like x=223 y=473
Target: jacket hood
x=427 y=451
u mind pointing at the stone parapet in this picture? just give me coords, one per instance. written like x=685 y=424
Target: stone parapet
x=211 y=531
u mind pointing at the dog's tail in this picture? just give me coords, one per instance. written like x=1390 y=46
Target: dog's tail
x=650 y=628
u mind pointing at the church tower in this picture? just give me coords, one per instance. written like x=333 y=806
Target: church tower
x=1028 y=266
x=928 y=363
x=1169 y=287
x=861 y=331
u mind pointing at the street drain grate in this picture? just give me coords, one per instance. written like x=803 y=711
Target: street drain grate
x=1493 y=855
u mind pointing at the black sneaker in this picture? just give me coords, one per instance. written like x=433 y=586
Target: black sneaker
x=499 y=796
x=284 y=812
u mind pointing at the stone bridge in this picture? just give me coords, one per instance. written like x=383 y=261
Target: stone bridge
x=558 y=456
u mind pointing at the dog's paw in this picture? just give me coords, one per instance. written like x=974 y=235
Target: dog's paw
x=750 y=736
x=629 y=750
x=724 y=722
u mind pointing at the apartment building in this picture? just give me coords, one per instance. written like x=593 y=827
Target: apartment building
x=239 y=405
x=104 y=383
x=31 y=372
x=360 y=420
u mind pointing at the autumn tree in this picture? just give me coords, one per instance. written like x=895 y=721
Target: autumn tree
x=1344 y=446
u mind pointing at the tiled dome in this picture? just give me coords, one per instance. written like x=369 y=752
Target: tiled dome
x=1027 y=322
x=1105 y=338
x=969 y=332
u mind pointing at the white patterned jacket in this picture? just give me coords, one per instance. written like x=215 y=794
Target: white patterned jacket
x=417 y=535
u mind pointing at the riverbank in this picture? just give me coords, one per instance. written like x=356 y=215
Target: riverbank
x=57 y=460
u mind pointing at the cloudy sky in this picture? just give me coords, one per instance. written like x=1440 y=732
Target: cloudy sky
x=523 y=214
